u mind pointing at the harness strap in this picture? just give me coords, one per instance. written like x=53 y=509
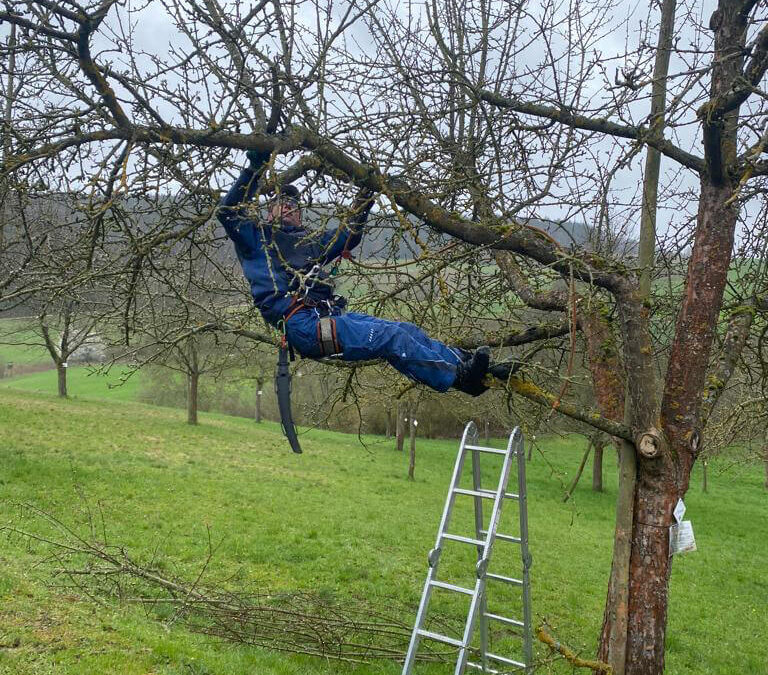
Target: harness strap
x=296 y=305
x=299 y=303
x=326 y=336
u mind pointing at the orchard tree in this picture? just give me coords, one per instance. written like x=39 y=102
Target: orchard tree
x=481 y=121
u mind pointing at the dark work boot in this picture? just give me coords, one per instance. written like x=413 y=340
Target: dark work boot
x=505 y=369
x=471 y=371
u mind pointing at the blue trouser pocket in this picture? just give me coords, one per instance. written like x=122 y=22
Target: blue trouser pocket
x=301 y=333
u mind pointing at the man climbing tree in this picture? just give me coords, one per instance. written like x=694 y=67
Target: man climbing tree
x=283 y=263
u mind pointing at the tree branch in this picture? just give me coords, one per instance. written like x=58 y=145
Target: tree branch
x=498 y=233
x=591 y=417
x=549 y=301
x=569 y=118
x=734 y=340
x=92 y=72
x=37 y=28
x=753 y=73
x=544 y=331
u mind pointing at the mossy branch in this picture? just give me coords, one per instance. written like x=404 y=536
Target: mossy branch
x=570 y=656
x=591 y=417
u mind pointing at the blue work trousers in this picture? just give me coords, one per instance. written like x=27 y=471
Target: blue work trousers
x=405 y=346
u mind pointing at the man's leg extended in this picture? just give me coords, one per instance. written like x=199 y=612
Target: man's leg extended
x=405 y=346
x=412 y=352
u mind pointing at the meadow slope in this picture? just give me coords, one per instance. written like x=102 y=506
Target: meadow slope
x=341 y=520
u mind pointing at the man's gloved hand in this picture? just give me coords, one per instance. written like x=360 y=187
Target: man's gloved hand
x=256 y=158
x=363 y=204
x=364 y=196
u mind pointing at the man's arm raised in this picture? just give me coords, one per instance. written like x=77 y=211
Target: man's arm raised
x=230 y=211
x=344 y=238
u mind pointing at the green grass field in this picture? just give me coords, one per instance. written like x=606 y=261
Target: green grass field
x=20 y=345
x=341 y=520
x=82 y=382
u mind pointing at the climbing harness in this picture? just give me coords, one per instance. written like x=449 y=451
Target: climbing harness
x=307 y=282
x=329 y=346
x=326 y=339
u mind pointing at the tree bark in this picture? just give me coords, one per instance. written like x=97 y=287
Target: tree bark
x=61 y=371
x=613 y=636
x=192 y=381
x=597 y=465
x=257 y=413
x=402 y=411
x=647 y=243
x=412 y=455
x=608 y=381
x=642 y=408
x=579 y=471
x=663 y=479
x=7 y=119
x=765 y=460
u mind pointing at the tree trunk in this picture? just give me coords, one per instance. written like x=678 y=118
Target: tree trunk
x=664 y=479
x=765 y=459
x=61 y=370
x=192 y=380
x=597 y=465
x=579 y=471
x=609 y=386
x=649 y=569
x=7 y=118
x=259 y=390
x=412 y=457
x=399 y=430
x=388 y=431
x=614 y=643
x=613 y=638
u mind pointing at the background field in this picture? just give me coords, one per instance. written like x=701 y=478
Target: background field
x=342 y=520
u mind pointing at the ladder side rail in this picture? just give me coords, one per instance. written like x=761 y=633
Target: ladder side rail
x=480 y=584
x=483 y=604
x=522 y=491
x=470 y=433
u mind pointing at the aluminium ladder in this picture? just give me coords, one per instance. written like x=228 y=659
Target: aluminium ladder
x=484 y=540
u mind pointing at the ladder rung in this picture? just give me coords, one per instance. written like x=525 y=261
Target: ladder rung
x=487 y=669
x=440 y=638
x=490 y=494
x=486 y=494
x=451 y=587
x=504 y=619
x=466 y=540
x=504 y=537
x=480 y=448
x=509 y=580
x=504 y=659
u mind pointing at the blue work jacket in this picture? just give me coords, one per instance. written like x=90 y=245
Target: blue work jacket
x=276 y=260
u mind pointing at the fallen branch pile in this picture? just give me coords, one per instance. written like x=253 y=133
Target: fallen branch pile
x=298 y=622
